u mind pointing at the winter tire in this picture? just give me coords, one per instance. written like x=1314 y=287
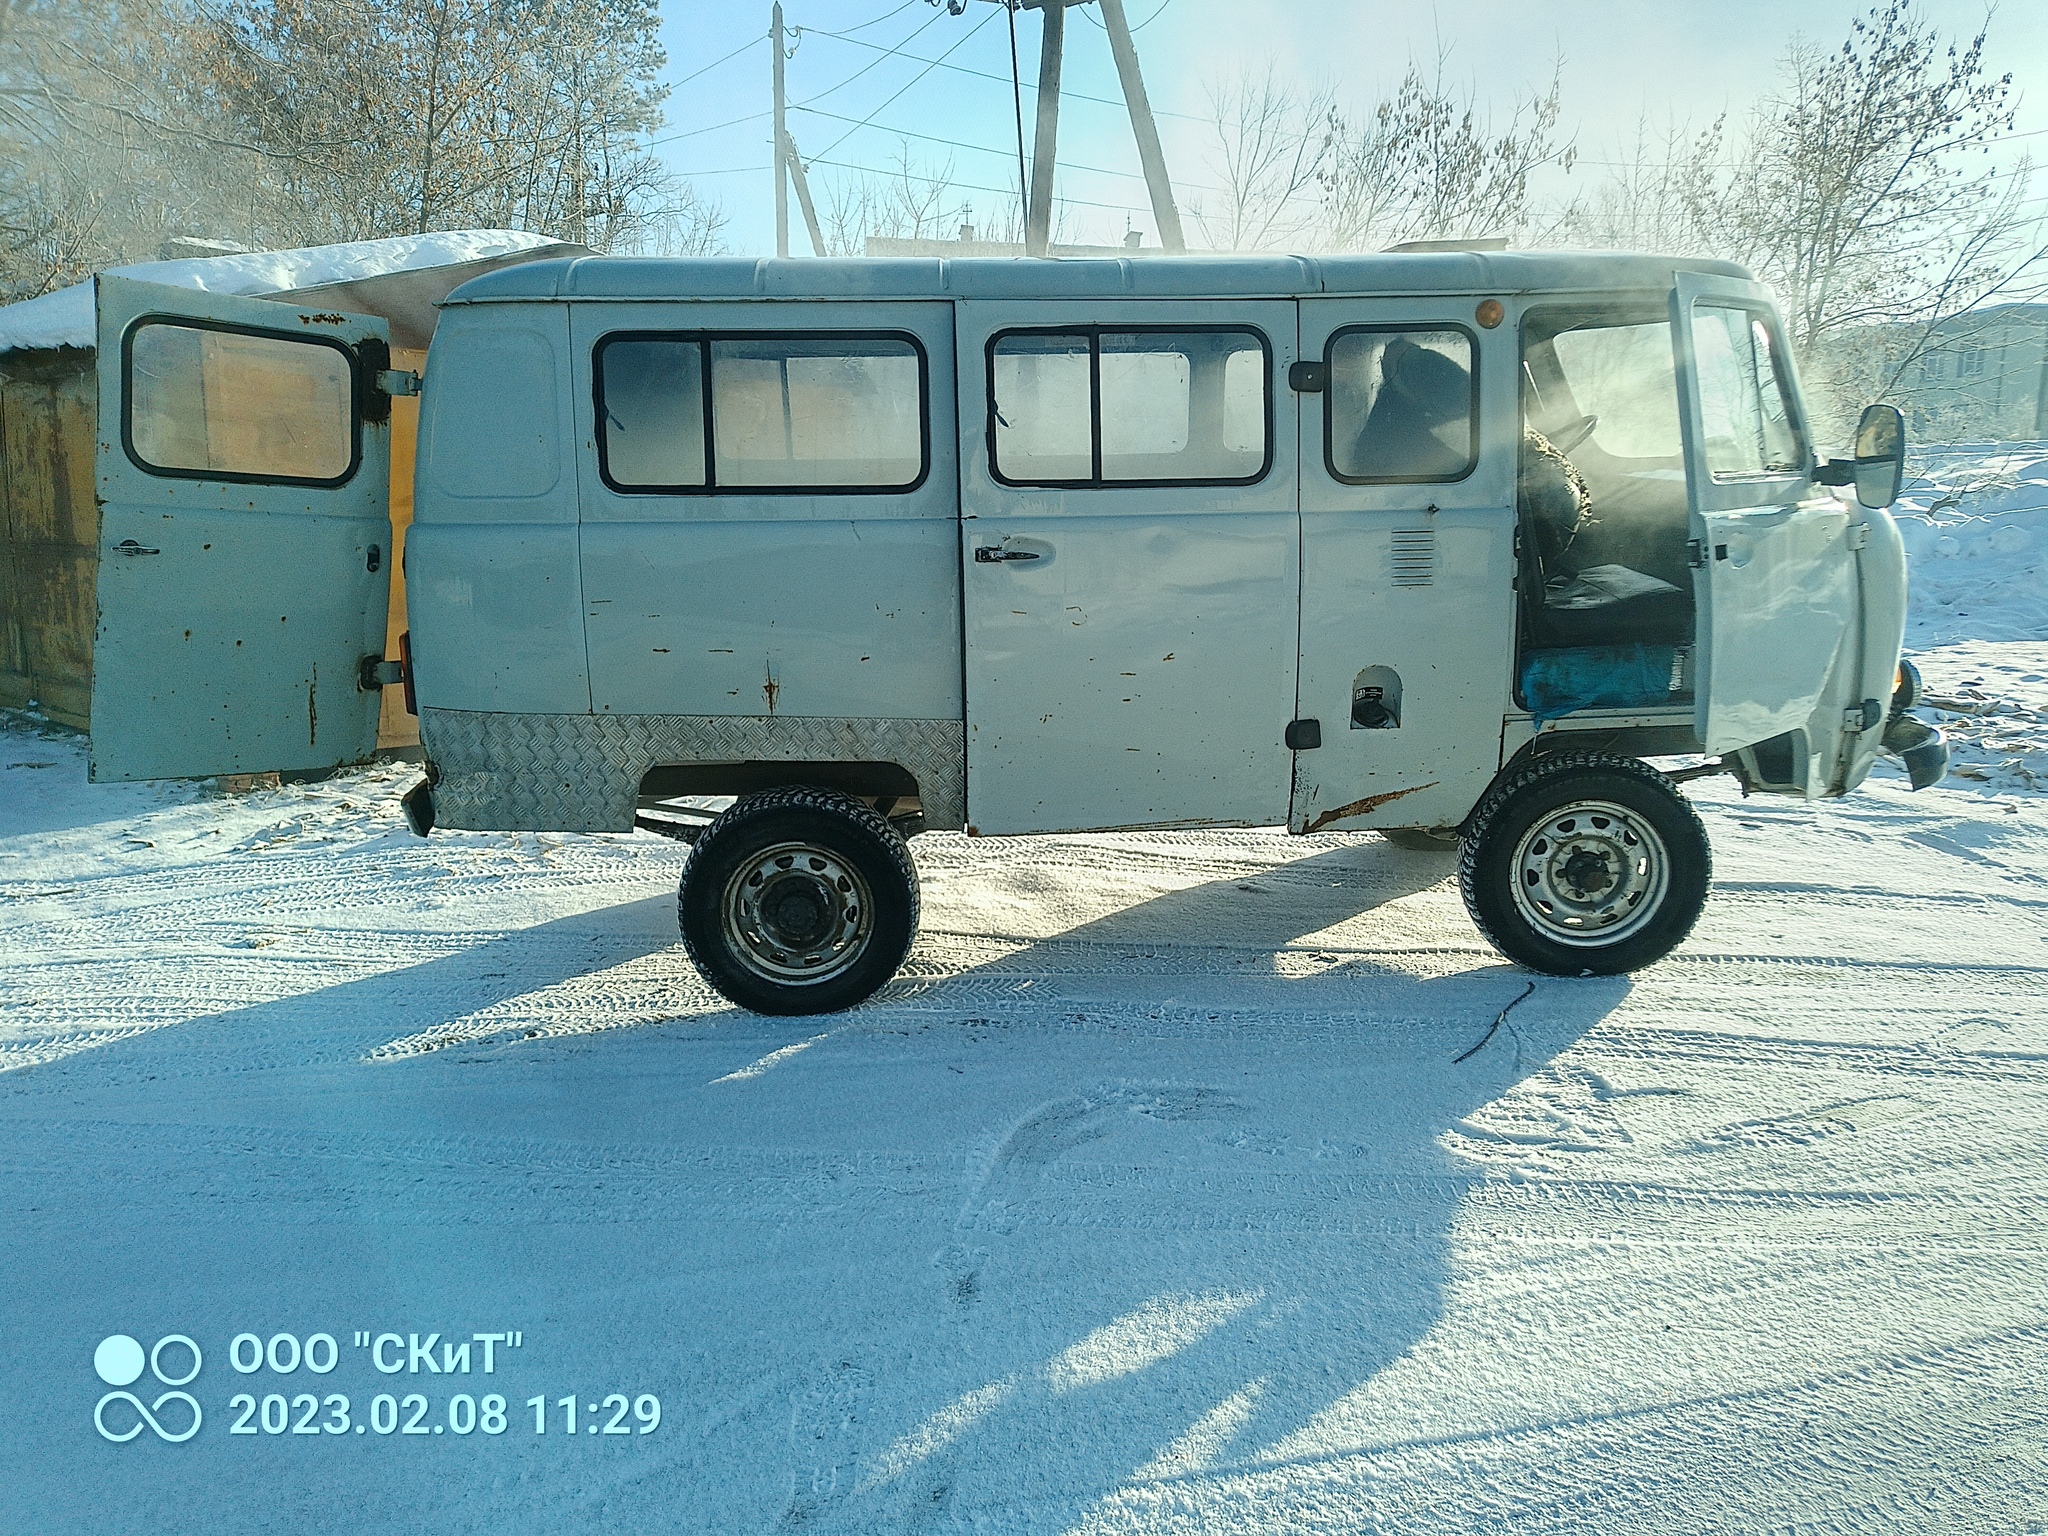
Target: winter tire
x=1423 y=839
x=798 y=900
x=1584 y=864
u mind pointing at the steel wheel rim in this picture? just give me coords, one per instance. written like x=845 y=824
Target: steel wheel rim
x=797 y=913
x=1590 y=874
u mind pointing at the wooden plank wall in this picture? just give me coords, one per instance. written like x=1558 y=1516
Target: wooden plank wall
x=49 y=532
x=395 y=728
x=49 y=535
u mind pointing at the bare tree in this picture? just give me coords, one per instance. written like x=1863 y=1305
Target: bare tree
x=402 y=115
x=291 y=122
x=98 y=162
x=1427 y=163
x=1645 y=201
x=1858 y=190
x=910 y=201
x=1271 y=146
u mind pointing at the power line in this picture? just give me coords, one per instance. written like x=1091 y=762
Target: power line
x=743 y=47
x=954 y=143
x=1141 y=26
x=982 y=74
x=934 y=64
x=974 y=186
x=751 y=117
x=862 y=26
x=896 y=52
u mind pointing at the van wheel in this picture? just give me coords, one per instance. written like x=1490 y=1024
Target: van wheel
x=1423 y=839
x=798 y=900
x=1585 y=864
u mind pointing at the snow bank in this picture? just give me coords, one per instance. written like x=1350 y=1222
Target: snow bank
x=65 y=318
x=1975 y=522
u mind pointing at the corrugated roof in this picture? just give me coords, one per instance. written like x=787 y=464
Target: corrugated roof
x=653 y=277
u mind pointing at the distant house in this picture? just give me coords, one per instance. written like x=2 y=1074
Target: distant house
x=49 y=407
x=1983 y=377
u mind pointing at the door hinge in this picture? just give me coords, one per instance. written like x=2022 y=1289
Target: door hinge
x=1695 y=554
x=1303 y=735
x=374 y=672
x=398 y=381
x=1859 y=536
x=1862 y=718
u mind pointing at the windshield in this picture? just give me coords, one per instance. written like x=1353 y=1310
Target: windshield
x=1622 y=375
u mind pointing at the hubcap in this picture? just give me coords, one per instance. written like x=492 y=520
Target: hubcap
x=1590 y=874
x=796 y=913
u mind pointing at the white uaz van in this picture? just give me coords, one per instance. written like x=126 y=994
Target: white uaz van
x=1442 y=545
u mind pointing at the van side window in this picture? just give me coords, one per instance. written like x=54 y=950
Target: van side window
x=1746 y=413
x=651 y=411
x=1141 y=406
x=1403 y=405
x=215 y=402
x=780 y=412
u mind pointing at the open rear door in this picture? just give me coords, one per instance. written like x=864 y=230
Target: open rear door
x=1774 y=578
x=244 y=474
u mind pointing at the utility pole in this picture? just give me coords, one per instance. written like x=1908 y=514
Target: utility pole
x=803 y=198
x=781 y=142
x=1164 y=213
x=1045 y=147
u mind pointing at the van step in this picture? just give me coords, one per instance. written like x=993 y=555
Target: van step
x=683 y=823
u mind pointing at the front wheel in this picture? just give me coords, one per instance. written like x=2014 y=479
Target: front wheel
x=798 y=900
x=1585 y=864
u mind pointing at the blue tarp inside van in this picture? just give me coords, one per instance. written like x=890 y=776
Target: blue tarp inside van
x=1564 y=681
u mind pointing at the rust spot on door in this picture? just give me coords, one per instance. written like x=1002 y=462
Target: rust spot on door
x=771 y=689
x=1360 y=807
x=313 y=708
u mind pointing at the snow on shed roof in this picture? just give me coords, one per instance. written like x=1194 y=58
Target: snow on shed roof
x=65 y=318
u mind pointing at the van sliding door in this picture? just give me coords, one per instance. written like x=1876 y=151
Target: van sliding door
x=1129 y=562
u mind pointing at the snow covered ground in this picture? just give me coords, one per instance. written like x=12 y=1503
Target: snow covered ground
x=1155 y=1197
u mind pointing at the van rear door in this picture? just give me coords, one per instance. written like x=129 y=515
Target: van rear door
x=1774 y=578
x=243 y=471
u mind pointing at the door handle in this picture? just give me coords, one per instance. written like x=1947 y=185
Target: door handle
x=989 y=554
x=130 y=547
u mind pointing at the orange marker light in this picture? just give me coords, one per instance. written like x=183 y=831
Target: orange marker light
x=1489 y=314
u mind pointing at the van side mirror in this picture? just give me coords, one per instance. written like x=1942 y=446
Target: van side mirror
x=1880 y=455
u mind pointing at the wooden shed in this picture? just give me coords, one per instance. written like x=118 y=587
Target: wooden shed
x=49 y=407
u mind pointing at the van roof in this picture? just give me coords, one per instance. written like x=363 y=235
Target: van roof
x=1390 y=273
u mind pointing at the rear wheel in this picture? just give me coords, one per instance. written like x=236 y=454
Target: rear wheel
x=798 y=900
x=1585 y=864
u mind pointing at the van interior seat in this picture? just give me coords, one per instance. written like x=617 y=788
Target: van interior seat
x=1604 y=545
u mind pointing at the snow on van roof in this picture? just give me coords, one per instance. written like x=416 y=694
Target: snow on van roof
x=65 y=318
x=1420 y=272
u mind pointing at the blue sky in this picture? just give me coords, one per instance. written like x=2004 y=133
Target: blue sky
x=1622 y=60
